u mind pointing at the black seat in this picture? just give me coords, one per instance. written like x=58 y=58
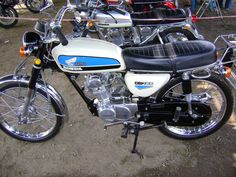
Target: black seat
x=158 y=16
x=171 y=57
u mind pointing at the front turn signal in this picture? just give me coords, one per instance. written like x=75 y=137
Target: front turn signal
x=22 y=52
x=228 y=72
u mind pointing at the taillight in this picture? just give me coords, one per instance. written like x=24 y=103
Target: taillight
x=195 y=19
x=112 y=2
x=170 y=5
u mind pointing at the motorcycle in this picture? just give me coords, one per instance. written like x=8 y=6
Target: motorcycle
x=143 y=5
x=7 y=10
x=116 y=25
x=147 y=5
x=178 y=87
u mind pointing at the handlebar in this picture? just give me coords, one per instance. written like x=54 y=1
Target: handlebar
x=60 y=35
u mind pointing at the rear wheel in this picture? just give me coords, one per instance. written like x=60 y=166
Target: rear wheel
x=9 y=12
x=43 y=119
x=35 y=5
x=177 y=34
x=219 y=98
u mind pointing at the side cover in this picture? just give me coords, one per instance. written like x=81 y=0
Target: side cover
x=144 y=85
x=86 y=55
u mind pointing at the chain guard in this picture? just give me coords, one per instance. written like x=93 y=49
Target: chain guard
x=165 y=112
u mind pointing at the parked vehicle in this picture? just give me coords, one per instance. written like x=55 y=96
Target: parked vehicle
x=141 y=5
x=7 y=10
x=178 y=87
x=134 y=29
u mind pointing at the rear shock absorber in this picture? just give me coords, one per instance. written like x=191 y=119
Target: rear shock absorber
x=187 y=89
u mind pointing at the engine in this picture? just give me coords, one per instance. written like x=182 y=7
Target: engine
x=126 y=36
x=118 y=36
x=113 y=99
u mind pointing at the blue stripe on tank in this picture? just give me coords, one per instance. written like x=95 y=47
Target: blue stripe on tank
x=86 y=61
x=143 y=86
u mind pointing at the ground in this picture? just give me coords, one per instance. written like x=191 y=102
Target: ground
x=83 y=148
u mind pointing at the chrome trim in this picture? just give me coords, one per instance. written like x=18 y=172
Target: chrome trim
x=199 y=68
x=150 y=71
x=178 y=71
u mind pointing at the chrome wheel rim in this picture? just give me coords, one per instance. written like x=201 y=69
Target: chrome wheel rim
x=41 y=118
x=35 y=4
x=174 y=37
x=8 y=13
x=217 y=103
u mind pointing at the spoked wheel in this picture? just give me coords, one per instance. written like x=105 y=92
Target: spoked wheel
x=176 y=34
x=212 y=91
x=42 y=120
x=9 y=12
x=35 y=5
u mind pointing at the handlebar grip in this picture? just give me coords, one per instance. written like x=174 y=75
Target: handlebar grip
x=60 y=35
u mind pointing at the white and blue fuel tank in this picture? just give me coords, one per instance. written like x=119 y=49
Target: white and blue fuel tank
x=86 y=55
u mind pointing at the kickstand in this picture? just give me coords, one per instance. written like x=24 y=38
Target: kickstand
x=136 y=134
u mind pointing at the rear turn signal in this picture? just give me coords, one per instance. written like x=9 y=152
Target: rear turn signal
x=227 y=72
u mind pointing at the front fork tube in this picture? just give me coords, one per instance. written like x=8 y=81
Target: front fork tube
x=187 y=90
x=31 y=88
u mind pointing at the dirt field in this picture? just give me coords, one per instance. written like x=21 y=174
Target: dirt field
x=84 y=149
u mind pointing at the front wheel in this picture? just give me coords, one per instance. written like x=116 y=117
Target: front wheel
x=42 y=120
x=8 y=12
x=213 y=91
x=177 y=34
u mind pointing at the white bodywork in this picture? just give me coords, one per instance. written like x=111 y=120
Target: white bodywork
x=113 y=19
x=90 y=48
x=144 y=85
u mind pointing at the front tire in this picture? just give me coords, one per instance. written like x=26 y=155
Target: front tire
x=42 y=121
x=221 y=104
x=9 y=12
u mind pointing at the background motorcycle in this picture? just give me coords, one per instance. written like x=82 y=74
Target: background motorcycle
x=7 y=10
x=147 y=5
x=179 y=87
x=124 y=29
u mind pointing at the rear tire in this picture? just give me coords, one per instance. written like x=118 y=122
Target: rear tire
x=216 y=121
x=35 y=5
x=177 y=34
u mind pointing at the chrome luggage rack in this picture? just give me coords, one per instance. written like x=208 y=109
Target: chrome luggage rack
x=230 y=46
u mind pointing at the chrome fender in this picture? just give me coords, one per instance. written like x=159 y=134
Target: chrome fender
x=39 y=85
